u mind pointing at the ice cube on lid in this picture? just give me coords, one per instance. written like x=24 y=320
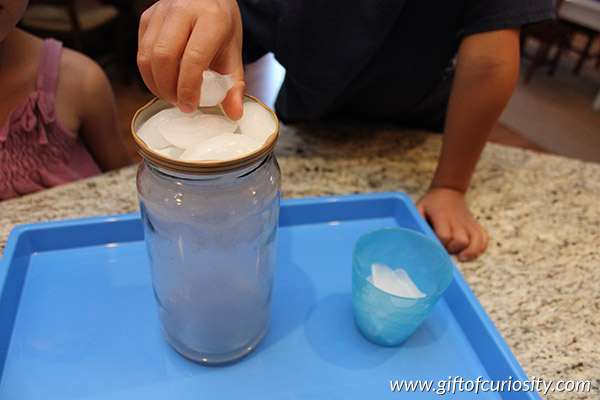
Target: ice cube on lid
x=186 y=132
x=257 y=122
x=150 y=133
x=219 y=148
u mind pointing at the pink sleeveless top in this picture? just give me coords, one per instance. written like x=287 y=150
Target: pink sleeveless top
x=36 y=150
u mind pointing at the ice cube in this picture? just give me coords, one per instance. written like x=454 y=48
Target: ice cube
x=383 y=277
x=257 y=122
x=220 y=148
x=396 y=282
x=214 y=88
x=216 y=123
x=186 y=132
x=150 y=133
x=409 y=288
x=171 y=152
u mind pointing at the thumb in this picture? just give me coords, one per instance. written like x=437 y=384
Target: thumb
x=232 y=104
x=231 y=62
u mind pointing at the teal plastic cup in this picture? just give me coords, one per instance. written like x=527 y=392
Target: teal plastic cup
x=386 y=319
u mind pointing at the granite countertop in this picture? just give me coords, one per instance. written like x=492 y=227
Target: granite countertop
x=539 y=280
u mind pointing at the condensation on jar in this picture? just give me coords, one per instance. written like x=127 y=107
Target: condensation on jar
x=211 y=234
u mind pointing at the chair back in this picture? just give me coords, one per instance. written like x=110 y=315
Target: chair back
x=67 y=19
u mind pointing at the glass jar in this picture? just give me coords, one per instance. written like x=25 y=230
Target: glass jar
x=211 y=234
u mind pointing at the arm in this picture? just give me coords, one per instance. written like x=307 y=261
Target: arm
x=180 y=39
x=99 y=127
x=486 y=74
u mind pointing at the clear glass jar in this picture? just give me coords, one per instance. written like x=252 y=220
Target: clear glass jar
x=211 y=235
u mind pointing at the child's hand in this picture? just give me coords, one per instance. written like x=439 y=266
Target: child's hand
x=446 y=210
x=180 y=39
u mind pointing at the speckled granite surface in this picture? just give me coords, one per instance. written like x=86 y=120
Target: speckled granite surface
x=539 y=280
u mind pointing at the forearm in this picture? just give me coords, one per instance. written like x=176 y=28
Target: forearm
x=483 y=83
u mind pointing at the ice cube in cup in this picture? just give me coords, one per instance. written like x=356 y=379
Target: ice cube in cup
x=396 y=282
x=387 y=319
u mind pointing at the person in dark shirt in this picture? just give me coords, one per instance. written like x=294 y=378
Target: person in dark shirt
x=430 y=64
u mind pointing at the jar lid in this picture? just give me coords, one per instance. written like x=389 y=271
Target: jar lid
x=197 y=167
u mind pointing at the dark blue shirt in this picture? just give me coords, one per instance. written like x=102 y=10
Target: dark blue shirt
x=389 y=60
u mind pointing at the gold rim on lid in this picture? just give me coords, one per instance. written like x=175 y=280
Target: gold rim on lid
x=198 y=167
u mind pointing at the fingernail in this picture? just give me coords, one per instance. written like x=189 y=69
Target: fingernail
x=185 y=107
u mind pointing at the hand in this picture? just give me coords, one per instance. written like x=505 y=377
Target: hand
x=446 y=210
x=180 y=39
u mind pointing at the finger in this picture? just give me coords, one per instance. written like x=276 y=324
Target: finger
x=233 y=102
x=202 y=47
x=471 y=251
x=443 y=231
x=477 y=245
x=421 y=209
x=486 y=239
x=144 y=22
x=167 y=52
x=459 y=241
x=150 y=24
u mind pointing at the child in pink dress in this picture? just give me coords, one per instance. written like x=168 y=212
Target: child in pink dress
x=57 y=112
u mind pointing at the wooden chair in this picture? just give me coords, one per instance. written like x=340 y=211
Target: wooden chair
x=89 y=26
x=583 y=19
x=552 y=39
x=584 y=52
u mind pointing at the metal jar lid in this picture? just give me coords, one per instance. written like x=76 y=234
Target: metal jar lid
x=198 y=167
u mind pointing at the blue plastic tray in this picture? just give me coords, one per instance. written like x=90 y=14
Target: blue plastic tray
x=78 y=318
